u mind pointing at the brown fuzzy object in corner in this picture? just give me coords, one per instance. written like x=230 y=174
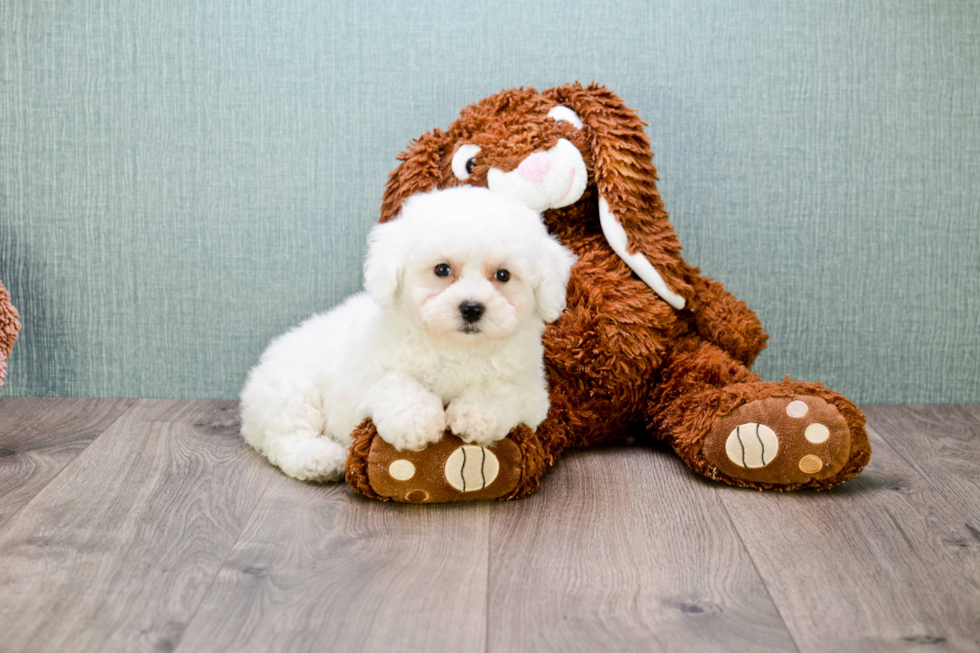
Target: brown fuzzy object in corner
x=9 y=328
x=620 y=360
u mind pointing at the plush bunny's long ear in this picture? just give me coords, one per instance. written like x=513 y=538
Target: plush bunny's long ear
x=420 y=170
x=631 y=212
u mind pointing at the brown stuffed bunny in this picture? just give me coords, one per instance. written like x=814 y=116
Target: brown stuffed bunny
x=9 y=327
x=645 y=345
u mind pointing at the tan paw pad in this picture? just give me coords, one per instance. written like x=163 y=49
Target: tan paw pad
x=816 y=433
x=810 y=464
x=752 y=445
x=797 y=408
x=401 y=469
x=471 y=468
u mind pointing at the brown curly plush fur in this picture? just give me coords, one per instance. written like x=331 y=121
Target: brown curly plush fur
x=620 y=360
x=9 y=328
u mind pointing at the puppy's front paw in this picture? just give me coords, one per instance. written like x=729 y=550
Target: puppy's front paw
x=478 y=422
x=414 y=426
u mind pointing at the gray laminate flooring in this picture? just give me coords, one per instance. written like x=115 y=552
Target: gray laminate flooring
x=148 y=525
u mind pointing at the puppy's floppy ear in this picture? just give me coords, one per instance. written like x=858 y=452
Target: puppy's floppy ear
x=554 y=267
x=631 y=211
x=383 y=269
x=424 y=166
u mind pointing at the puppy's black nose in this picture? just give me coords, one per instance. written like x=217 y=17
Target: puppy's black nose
x=471 y=311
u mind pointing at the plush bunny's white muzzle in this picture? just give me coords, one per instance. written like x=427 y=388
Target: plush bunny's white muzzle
x=544 y=180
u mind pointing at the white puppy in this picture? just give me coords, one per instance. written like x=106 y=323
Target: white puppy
x=459 y=288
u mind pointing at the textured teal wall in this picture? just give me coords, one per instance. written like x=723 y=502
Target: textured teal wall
x=180 y=181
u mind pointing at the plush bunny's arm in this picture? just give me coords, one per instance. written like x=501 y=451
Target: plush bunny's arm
x=722 y=319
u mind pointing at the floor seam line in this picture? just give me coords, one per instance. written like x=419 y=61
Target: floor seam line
x=486 y=611
x=765 y=585
x=921 y=474
x=6 y=520
x=217 y=572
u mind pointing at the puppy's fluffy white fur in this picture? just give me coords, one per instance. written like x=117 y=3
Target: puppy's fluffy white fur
x=403 y=354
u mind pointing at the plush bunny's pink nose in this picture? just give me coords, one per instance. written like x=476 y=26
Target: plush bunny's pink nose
x=535 y=167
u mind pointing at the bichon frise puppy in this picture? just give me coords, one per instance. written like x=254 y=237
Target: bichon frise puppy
x=448 y=334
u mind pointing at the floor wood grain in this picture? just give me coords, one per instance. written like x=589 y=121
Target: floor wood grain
x=167 y=533
x=117 y=552
x=882 y=563
x=39 y=436
x=322 y=569
x=942 y=443
x=624 y=549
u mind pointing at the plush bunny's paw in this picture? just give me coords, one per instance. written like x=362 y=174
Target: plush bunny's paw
x=449 y=470
x=780 y=441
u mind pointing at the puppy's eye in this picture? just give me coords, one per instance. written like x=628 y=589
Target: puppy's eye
x=502 y=276
x=563 y=114
x=465 y=160
x=442 y=270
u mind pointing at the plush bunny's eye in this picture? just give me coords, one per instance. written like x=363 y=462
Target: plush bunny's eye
x=564 y=114
x=464 y=161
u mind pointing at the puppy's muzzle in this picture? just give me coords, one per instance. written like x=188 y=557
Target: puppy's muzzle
x=471 y=311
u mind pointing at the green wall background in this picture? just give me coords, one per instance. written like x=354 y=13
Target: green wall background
x=180 y=181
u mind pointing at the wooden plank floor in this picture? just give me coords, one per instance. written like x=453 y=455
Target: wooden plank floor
x=148 y=525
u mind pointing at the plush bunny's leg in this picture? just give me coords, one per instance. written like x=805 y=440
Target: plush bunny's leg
x=728 y=425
